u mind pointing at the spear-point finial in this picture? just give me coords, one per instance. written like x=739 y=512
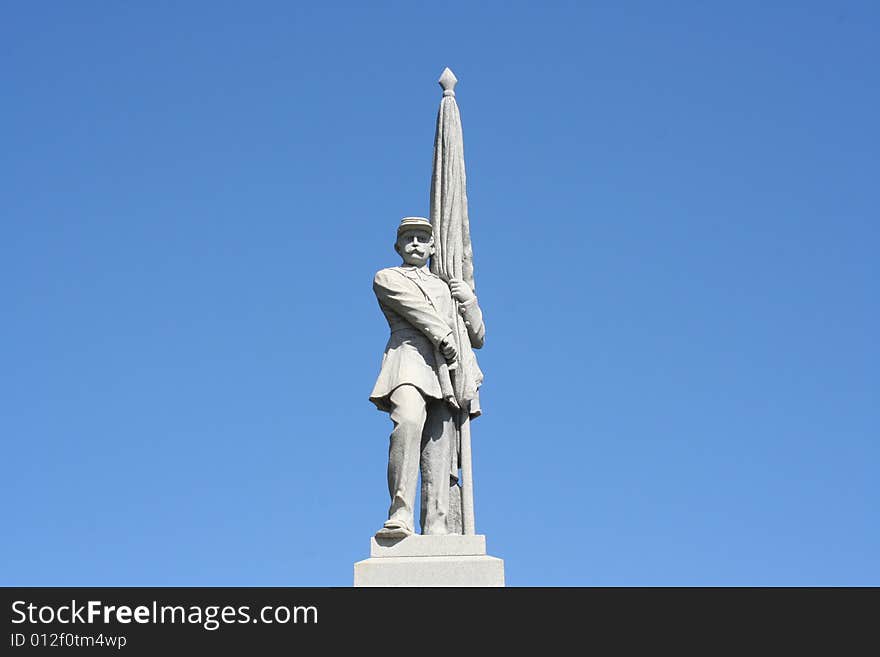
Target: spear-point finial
x=448 y=81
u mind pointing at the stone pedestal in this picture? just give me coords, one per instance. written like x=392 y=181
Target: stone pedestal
x=452 y=560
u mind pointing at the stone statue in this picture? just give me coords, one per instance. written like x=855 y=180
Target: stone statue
x=414 y=383
x=430 y=384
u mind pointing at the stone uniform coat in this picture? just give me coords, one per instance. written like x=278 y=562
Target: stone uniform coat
x=421 y=314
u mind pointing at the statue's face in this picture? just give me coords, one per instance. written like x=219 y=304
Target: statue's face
x=415 y=247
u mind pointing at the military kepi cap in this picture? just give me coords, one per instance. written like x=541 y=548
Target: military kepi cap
x=413 y=223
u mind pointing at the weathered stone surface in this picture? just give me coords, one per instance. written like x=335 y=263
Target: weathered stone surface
x=430 y=571
x=450 y=545
x=450 y=560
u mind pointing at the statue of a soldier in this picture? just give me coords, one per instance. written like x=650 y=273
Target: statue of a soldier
x=414 y=382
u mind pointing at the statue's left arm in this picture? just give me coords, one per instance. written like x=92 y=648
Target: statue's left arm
x=470 y=311
x=473 y=321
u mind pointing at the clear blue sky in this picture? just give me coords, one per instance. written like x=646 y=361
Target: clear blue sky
x=675 y=227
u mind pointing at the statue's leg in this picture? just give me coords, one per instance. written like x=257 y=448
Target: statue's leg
x=408 y=414
x=436 y=446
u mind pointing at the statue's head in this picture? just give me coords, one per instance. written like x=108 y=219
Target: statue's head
x=415 y=241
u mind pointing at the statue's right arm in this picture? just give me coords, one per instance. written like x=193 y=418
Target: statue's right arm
x=404 y=297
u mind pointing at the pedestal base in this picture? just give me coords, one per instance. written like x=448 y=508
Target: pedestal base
x=451 y=560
